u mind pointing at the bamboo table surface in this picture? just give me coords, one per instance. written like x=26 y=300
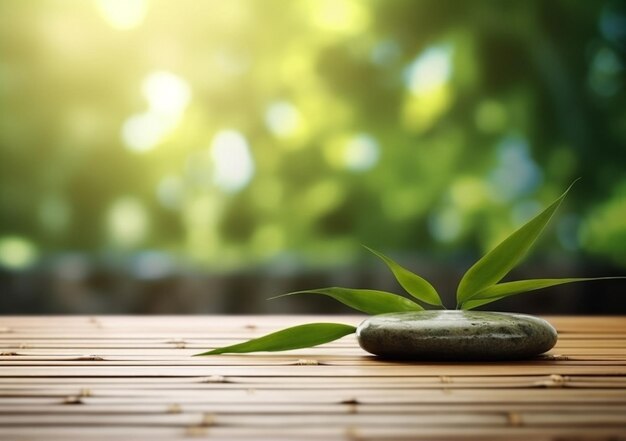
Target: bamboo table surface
x=77 y=377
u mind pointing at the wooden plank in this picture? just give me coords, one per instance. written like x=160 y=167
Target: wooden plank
x=334 y=383
x=303 y=396
x=596 y=432
x=132 y=377
x=214 y=361
x=417 y=421
x=316 y=371
x=309 y=408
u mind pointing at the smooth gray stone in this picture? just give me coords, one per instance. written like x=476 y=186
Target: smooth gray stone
x=456 y=335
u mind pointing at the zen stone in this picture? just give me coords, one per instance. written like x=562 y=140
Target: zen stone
x=456 y=335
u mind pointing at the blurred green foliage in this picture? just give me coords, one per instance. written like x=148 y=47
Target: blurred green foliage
x=233 y=133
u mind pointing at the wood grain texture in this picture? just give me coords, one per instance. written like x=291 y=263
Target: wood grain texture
x=133 y=377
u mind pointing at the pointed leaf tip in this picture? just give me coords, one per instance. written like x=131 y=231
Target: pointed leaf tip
x=502 y=290
x=368 y=301
x=415 y=285
x=296 y=337
x=496 y=264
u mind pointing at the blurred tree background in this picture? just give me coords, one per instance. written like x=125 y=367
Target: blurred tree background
x=200 y=156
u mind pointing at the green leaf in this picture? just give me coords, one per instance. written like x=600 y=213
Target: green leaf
x=471 y=304
x=411 y=282
x=502 y=290
x=496 y=264
x=296 y=337
x=368 y=301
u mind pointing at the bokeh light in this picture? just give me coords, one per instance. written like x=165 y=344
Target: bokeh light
x=240 y=137
x=233 y=163
x=16 y=252
x=123 y=14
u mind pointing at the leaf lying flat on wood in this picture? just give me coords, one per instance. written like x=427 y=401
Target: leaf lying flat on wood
x=296 y=337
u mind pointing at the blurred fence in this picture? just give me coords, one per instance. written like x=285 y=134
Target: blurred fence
x=79 y=284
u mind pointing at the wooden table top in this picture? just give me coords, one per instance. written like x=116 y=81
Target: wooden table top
x=78 y=377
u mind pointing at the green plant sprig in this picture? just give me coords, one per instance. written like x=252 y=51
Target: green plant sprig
x=480 y=285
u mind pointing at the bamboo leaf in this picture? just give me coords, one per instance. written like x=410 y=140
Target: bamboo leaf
x=471 y=304
x=502 y=290
x=411 y=282
x=496 y=264
x=368 y=301
x=296 y=337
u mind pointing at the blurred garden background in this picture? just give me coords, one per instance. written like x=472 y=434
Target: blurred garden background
x=200 y=156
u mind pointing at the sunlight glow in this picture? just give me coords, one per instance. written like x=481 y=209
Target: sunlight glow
x=282 y=119
x=141 y=133
x=16 y=252
x=430 y=93
x=357 y=152
x=127 y=222
x=348 y=16
x=123 y=14
x=421 y=112
x=430 y=70
x=361 y=153
x=168 y=96
x=234 y=166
